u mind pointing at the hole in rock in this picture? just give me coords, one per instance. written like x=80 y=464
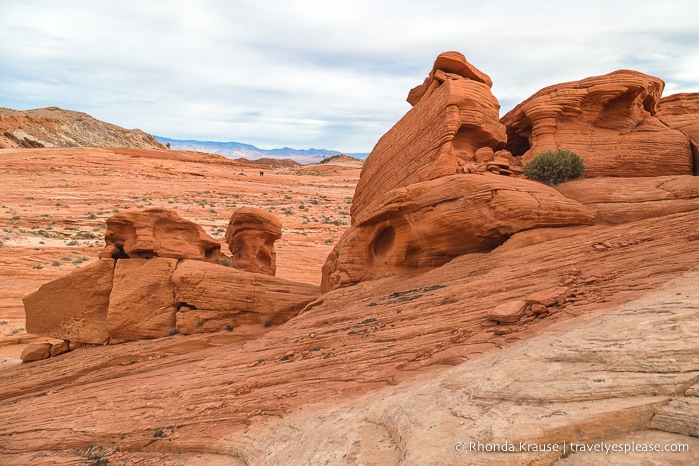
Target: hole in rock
x=263 y=258
x=120 y=254
x=384 y=241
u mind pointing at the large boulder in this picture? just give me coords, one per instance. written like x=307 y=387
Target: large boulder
x=157 y=233
x=250 y=236
x=73 y=307
x=454 y=114
x=609 y=120
x=141 y=304
x=681 y=112
x=213 y=298
x=427 y=224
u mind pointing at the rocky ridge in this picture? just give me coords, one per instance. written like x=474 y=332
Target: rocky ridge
x=55 y=127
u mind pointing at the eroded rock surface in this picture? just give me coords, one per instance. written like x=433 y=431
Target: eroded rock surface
x=427 y=224
x=454 y=114
x=681 y=112
x=158 y=233
x=610 y=121
x=622 y=200
x=250 y=236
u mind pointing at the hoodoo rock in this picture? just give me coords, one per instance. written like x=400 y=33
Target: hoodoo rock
x=250 y=236
x=427 y=224
x=610 y=121
x=157 y=233
x=681 y=112
x=454 y=114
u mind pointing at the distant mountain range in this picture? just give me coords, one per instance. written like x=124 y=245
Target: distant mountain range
x=236 y=150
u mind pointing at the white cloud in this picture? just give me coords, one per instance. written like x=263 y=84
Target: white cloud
x=316 y=73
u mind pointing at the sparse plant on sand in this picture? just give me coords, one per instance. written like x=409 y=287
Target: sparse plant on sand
x=553 y=167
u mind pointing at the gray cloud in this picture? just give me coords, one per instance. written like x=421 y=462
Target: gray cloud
x=316 y=73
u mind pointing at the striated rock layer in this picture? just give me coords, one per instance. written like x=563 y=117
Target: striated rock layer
x=681 y=112
x=609 y=120
x=454 y=114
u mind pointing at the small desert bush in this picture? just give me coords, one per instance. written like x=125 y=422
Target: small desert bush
x=553 y=167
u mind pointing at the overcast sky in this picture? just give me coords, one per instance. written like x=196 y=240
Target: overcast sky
x=323 y=74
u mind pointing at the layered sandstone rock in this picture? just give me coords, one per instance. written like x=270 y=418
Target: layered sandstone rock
x=427 y=224
x=623 y=200
x=454 y=114
x=158 y=233
x=213 y=298
x=681 y=112
x=156 y=280
x=608 y=120
x=250 y=236
x=73 y=307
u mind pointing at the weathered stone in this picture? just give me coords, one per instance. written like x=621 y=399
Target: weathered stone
x=73 y=307
x=681 y=112
x=451 y=120
x=622 y=200
x=36 y=352
x=60 y=348
x=507 y=313
x=427 y=224
x=549 y=297
x=680 y=416
x=220 y=298
x=607 y=120
x=157 y=233
x=250 y=236
x=141 y=304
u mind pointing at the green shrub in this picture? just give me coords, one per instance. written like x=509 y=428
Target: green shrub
x=552 y=168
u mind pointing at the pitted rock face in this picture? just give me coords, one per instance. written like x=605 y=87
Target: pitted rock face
x=425 y=225
x=454 y=115
x=157 y=233
x=250 y=236
x=607 y=120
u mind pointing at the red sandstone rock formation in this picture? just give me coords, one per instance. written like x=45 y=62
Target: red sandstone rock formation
x=158 y=233
x=454 y=114
x=608 y=120
x=427 y=224
x=624 y=200
x=681 y=112
x=250 y=236
x=145 y=288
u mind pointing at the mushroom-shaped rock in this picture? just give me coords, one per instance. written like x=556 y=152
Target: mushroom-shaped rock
x=607 y=120
x=454 y=114
x=427 y=224
x=250 y=236
x=157 y=233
